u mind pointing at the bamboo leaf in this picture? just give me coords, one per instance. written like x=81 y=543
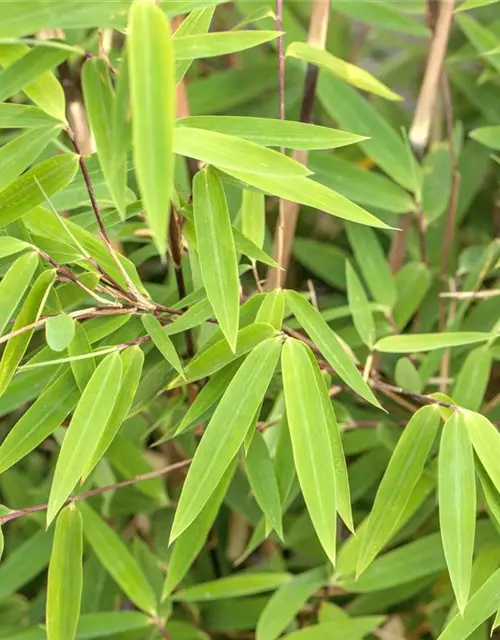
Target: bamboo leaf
x=117 y=559
x=29 y=313
x=195 y=23
x=24 y=194
x=429 y=341
x=401 y=476
x=100 y=102
x=59 y=331
x=287 y=601
x=273 y=133
x=10 y=246
x=191 y=541
x=18 y=154
x=326 y=341
x=262 y=479
x=358 y=303
x=350 y=73
x=84 y=368
x=310 y=437
x=65 y=576
x=272 y=309
x=40 y=420
x=489 y=136
x=406 y=375
x=85 y=430
x=14 y=284
x=132 y=364
x=21 y=116
x=457 y=504
x=253 y=216
x=216 y=251
x=152 y=86
x=162 y=341
x=486 y=442
x=231 y=153
x=472 y=380
x=232 y=587
x=208 y=45
x=226 y=431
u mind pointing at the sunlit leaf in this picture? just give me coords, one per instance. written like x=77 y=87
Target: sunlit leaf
x=358 y=303
x=14 y=284
x=485 y=440
x=162 y=341
x=272 y=309
x=65 y=576
x=59 y=331
x=457 y=504
x=429 y=341
x=233 y=586
x=208 y=45
x=86 y=428
x=152 y=86
x=83 y=369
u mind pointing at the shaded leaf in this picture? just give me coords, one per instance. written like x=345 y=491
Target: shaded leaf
x=233 y=586
x=14 y=284
x=83 y=369
x=162 y=341
x=472 y=380
x=358 y=303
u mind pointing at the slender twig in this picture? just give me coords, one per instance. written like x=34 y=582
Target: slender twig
x=97 y=492
x=471 y=295
x=289 y=211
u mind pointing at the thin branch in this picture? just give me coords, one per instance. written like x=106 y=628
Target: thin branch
x=471 y=295
x=97 y=492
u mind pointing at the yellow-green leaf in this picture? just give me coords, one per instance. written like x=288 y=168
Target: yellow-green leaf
x=486 y=442
x=152 y=85
x=358 y=303
x=59 y=331
x=232 y=587
x=84 y=368
x=216 y=251
x=272 y=309
x=208 y=45
x=64 y=582
x=162 y=342
x=14 y=284
x=416 y=342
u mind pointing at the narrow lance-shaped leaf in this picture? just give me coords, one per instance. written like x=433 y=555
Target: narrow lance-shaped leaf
x=117 y=559
x=401 y=476
x=82 y=369
x=486 y=442
x=65 y=576
x=10 y=246
x=226 y=431
x=472 y=380
x=253 y=216
x=100 y=104
x=358 y=303
x=59 y=331
x=29 y=313
x=312 y=450
x=14 y=284
x=326 y=341
x=22 y=116
x=428 y=341
x=152 y=86
x=191 y=541
x=272 y=309
x=356 y=76
x=234 y=586
x=162 y=341
x=216 y=251
x=208 y=45
x=86 y=427
x=457 y=504
x=262 y=478
x=195 y=23
x=132 y=363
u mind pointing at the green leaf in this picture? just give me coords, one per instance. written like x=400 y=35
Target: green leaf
x=232 y=153
x=64 y=583
x=489 y=136
x=474 y=4
x=483 y=604
x=191 y=541
x=18 y=154
x=428 y=341
x=486 y=442
x=472 y=380
x=216 y=251
x=21 y=116
x=262 y=479
x=412 y=284
x=117 y=559
x=9 y=246
x=14 y=284
x=406 y=376
x=253 y=216
x=270 y=132
x=152 y=86
x=326 y=341
x=82 y=369
x=287 y=601
x=243 y=584
x=132 y=364
x=40 y=420
x=272 y=309
x=401 y=476
x=27 y=71
x=354 y=113
x=195 y=23
x=457 y=504
x=162 y=341
x=324 y=260
x=310 y=437
x=196 y=315
x=109 y=623
x=353 y=75
x=385 y=15
x=305 y=191
x=482 y=39
x=226 y=431
x=209 y=45
x=86 y=428
x=29 y=313
x=24 y=194
x=100 y=102
x=359 y=185
x=59 y=331
x=373 y=264
x=358 y=303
